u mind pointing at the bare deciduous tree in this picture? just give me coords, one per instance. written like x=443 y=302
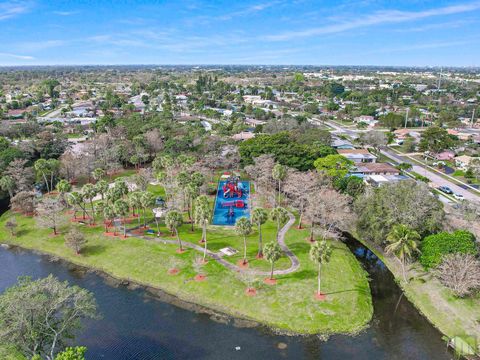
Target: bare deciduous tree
x=460 y=273
x=329 y=209
x=23 y=202
x=50 y=214
x=21 y=175
x=75 y=240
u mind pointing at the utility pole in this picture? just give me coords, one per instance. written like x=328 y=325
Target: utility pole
x=406 y=117
x=473 y=116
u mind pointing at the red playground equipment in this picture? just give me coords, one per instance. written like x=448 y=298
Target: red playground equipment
x=236 y=203
x=231 y=188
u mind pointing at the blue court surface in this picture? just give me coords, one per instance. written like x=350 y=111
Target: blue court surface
x=232 y=202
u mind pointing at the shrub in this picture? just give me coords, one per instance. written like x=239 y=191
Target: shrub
x=435 y=247
x=460 y=273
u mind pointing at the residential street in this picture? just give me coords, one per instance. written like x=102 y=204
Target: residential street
x=435 y=178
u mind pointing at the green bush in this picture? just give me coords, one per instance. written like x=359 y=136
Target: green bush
x=434 y=247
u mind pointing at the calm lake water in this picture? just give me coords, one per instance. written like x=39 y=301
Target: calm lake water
x=137 y=326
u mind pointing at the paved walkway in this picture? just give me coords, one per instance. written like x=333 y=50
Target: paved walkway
x=295 y=264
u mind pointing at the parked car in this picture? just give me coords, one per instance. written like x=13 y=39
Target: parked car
x=458 y=196
x=446 y=190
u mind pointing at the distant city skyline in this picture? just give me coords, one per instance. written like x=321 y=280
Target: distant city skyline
x=299 y=32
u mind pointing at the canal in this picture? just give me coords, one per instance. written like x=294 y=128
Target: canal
x=135 y=325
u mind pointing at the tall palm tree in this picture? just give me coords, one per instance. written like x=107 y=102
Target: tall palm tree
x=259 y=217
x=109 y=216
x=41 y=167
x=89 y=191
x=243 y=227
x=7 y=184
x=121 y=209
x=202 y=217
x=403 y=243
x=63 y=187
x=272 y=252
x=134 y=202
x=320 y=253
x=102 y=187
x=279 y=172
x=174 y=220
x=147 y=200
x=279 y=215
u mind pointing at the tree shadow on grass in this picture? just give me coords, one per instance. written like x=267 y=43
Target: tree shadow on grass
x=358 y=289
x=90 y=250
x=302 y=274
x=22 y=232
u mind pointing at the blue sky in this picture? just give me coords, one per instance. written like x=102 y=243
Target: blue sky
x=369 y=32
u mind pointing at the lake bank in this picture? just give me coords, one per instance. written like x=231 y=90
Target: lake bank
x=288 y=307
x=452 y=316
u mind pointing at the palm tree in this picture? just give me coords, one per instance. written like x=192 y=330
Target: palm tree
x=121 y=209
x=403 y=243
x=76 y=199
x=147 y=200
x=280 y=215
x=98 y=174
x=7 y=184
x=108 y=217
x=174 y=220
x=41 y=167
x=133 y=200
x=63 y=187
x=320 y=253
x=191 y=192
x=102 y=187
x=272 y=252
x=243 y=227
x=89 y=191
x=259 y=217
x=279 y=172
x=202 y=216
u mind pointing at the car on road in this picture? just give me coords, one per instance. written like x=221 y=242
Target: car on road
x=459 y=196
x=446 y=190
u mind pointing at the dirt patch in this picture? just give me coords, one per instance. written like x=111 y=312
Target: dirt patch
x=270 y=281
x=173 y=271
x=242 y=264
x=320 y=296
x=200 y=277
x=251 y=292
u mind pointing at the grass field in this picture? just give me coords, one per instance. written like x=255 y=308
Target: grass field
x=289 y=306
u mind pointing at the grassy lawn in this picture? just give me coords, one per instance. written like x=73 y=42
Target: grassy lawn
x=289 y=305
x=453 y=316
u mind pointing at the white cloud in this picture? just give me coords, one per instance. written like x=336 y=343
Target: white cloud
x=15 y=56
x=9 y=9
x=377 y=18
x=65 y=13
x=30 y=46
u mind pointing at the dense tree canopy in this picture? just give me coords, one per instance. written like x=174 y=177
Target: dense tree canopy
x=285 y=150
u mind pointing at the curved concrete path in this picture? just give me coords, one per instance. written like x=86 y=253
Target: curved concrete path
x=295 y=264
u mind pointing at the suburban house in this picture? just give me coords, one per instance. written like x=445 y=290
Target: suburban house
x=254 y=122
x=244 y=135
x=358 y=155
x=379 y=180
x=341 y=144
x=365 y=169
x=445 y=155
x=463 y=161
x=369 y=120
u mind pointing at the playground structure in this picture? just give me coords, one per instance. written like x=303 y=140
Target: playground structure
x=233 y=187
x=232 y=201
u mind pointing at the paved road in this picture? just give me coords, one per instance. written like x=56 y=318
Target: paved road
x=295 y=264
x=435 y=178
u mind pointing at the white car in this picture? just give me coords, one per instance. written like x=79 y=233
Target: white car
x=458 y=196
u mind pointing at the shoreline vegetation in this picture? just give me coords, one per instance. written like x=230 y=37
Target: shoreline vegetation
x=288 y=307
x=452 y=316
